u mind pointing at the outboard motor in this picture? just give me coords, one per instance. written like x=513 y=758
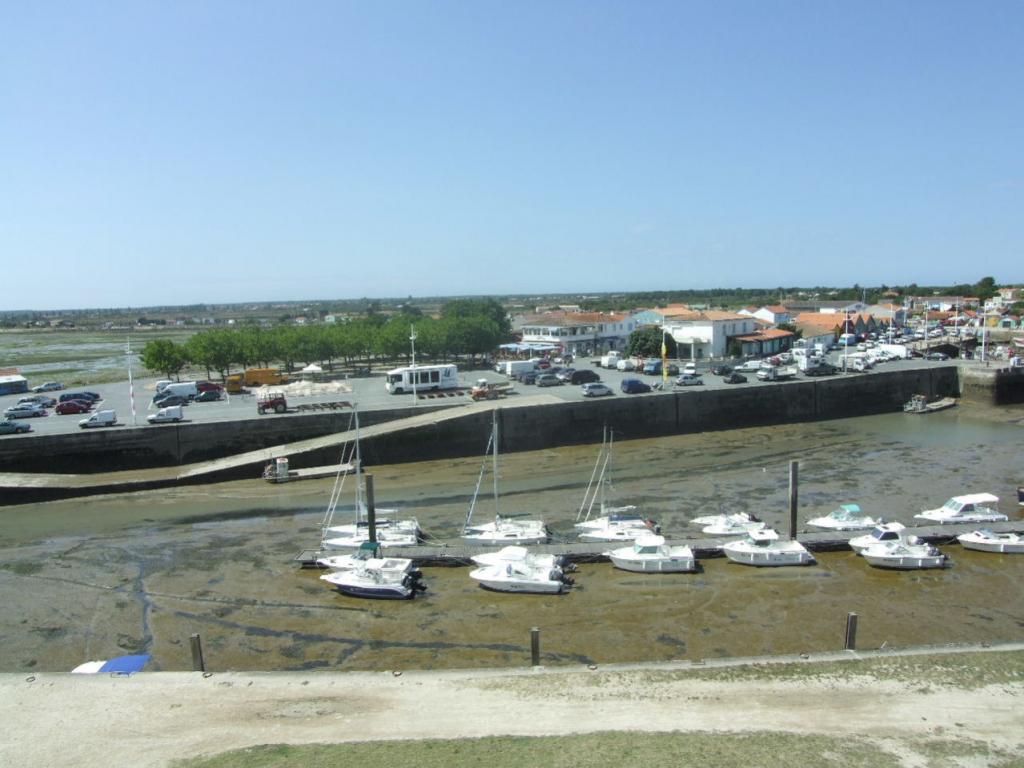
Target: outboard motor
x=565 y=564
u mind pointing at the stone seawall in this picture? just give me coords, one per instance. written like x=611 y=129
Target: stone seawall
x=522 y=429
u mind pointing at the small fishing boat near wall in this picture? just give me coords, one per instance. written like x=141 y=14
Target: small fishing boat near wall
x=920 y=404
x=987 y=541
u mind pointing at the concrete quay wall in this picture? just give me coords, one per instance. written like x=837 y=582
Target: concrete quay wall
x=522 y=429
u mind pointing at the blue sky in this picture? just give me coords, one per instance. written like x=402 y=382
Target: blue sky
x=187 y=152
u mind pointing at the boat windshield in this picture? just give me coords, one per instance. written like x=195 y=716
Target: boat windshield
x=881 y=535
x=953 y=505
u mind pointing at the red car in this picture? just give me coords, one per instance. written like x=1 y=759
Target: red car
x=73 y=406
x=208 y=386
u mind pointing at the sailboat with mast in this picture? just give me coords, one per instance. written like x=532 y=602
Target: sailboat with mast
x=391 y=531
x=612 y=523
x=501 y=531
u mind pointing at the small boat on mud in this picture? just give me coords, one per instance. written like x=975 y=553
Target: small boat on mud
x=904 y=555
x=522 y=554
x=847 y=518
x=881 y=533
x=733 y=525
x=765 y=548
x=376 y=582
x=522 y=576
x=987 y=541
x=971 y=508
x=920 y=404
x=650 y=554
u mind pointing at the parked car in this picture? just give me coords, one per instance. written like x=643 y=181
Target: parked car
x=8 y=427
x=48 y=386
x=585 y=376
x=626 y=365
x=166 y=415
x=73 y=406
x=721 y=370
x=735 y=378
x=749 y=365
x=167 y=402
x=596 y=389
x=43 y=400
x=825 y=369
x=25 y=410
x=936 y=356
x=548 y=380
x=566 y=374
x=208 y=386
x=99 y=419
x=209 y=396
x=689 y=380
x=90 y=396
x=634 y=386
x=530 y=377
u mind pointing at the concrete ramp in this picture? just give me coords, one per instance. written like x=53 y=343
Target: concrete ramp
x=21 y=487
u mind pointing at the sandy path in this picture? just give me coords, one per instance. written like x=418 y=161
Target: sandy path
x=150 y=719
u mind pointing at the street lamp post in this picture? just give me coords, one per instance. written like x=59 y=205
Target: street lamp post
x=412 y=344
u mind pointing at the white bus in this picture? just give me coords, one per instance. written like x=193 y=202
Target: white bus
x=425 y=378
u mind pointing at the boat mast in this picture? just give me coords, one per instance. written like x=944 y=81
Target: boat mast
x=588 y=497
x=494 y=448
x=359 y=471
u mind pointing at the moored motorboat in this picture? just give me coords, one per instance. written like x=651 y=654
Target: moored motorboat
x=988 y=541
x=733 y=525
x=971 y=508
x=521 y=577
x=390 y=533
x=515 y=554
x=367 y=556
x=920 y=404
x=882 y=532
x=904 y=555
x=651 y=554
x=765 y=548
x=377 y=583
x=848 y=517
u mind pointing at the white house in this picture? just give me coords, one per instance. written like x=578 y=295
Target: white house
x=775 y=314
x=579 y=333
x=707 y=333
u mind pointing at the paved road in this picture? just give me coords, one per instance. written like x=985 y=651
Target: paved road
x=370 y=394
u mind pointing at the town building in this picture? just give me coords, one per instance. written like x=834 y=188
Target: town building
x=707 y=333
x=578 y=333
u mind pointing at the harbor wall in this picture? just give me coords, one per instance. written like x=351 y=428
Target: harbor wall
x=527 y=428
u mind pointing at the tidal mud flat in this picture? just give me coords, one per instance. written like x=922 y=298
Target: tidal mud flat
x=94 y=578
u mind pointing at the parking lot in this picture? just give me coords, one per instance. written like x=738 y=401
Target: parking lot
x=369 y=393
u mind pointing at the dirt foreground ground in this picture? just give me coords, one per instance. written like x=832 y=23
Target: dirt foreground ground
x=153 y=719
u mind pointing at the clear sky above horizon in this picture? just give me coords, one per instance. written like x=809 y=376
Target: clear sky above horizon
x=194 y=152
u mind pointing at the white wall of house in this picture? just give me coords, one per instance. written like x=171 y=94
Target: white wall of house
x=706 y=338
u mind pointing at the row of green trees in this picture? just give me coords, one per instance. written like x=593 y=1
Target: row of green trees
x=466 y=327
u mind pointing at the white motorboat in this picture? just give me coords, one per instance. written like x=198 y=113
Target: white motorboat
x=650 y=554
x=847 y=518
x=368 y=555
x=988 y=541
x=764 y=548
x=521 y=554
x=733 y=525
x=610 y=523
x=521 y=577
x=503 y=529
x=883 y=532
x=904 y=555
x=972 y=508
x=376 y=582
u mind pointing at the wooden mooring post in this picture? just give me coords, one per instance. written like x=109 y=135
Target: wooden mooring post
x=794 y=474
x=198 y=665
x=535 y=646
x=851 y=632
x=371 y=509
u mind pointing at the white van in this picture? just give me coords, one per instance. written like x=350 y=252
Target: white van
x=99 y=419
x=186 y=389
x=164 y=415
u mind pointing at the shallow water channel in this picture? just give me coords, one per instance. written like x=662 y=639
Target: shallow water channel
x=94 y=578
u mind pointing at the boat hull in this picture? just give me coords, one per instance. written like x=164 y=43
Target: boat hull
x=770 y=559
x=979 y=518
x=376 y=592
x=660 y=565
x=996 y=546
x=905 y=562
x=487 y=579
